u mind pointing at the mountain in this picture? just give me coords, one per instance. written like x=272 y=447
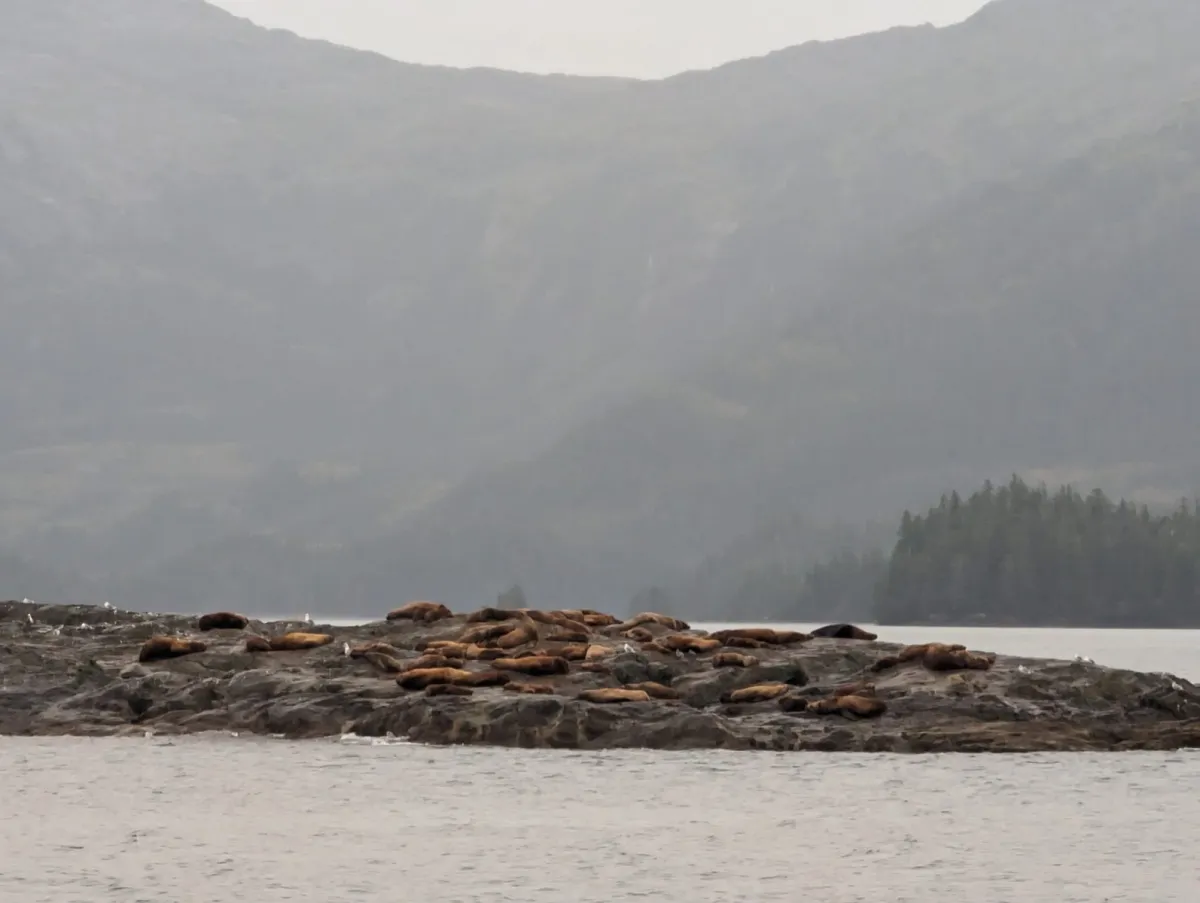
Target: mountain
x=306 y=326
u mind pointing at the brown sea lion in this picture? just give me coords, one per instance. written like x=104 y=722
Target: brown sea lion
x=844 y=632
x=768 y=635
x=481 y=633
x=596 y=667
x=294 y=642
x=158 y=648
x=451 y=648
x=533 y=665
x=681 y=642
x=638 y=635
x=525 y=632
x=733 y=660
x=554 y=619
x=914 y=653
x=418 y=680
x=258 y=644
x=596 y=652
x=611 y=695
x=576 y=652
x=596 y=619
x=654 y=690
x=423 y=612
x=957 y=660
x=529 y=689
x=741 y=642
x=478 y=653
x=651 y=617
x=222 y=620
x=491 y=614
x=850 y=706
x=856 y=688
x=388 y=664
x=432 y=660
x=448 y=690
x=361 y=650
x=562 y=635
x=758 y=693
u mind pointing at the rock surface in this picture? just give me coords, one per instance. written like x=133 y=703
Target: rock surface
x=75 y=670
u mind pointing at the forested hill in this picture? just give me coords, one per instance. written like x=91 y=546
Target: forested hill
x=1025 y=556
x=305 y=326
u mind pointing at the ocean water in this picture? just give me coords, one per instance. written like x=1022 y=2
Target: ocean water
x=221 y=819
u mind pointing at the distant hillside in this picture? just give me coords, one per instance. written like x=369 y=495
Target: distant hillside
x=286 y=321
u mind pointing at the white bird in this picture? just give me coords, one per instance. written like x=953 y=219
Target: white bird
x=307 y=618
x=56 y=631
x=627 y=648
x=1021 y=669
x=1084 y=659
x=27 y=601
x=30 y=617
x=108 y=605
x=346 y=649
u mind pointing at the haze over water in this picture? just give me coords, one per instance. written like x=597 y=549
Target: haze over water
x=218 y=818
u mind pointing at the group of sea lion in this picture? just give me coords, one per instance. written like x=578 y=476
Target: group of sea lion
x=517 y=644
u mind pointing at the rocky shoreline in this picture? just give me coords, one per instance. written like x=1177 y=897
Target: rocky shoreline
x=567 y=679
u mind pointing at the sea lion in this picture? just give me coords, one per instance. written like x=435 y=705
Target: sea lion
x=654 y=690
x=529 y=689
x=448 y=690
x=611 y=695
x=483 y=632
x=576 y=652
x=294 y=642
x=422 y=612
x=844 y=632
x=733 y=660
x=856 y=688
x=849 y=706
x=741 y=642
x=554 y=619
x=525 y=632
x=449 y=648
x=914 y=653
x=638 y=635
x=491 y=614
x=562 y=635
x=596 y=667
x=758 y=693
x=533 y=665
x=596 y=619
x=388 y=664
x=957 y=660
x=222 y=620
x=767 y=635
x=361 y=650
x=257 y=644
x=596 y=652
x=681 y=642
x=420 y=679
x=158 y=648
x=651 y=617
x=431 y=660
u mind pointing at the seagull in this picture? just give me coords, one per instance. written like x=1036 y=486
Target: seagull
x=108 y=605
x=1021 y=669
x=346 y=649
x=1084 y=659
x=27 y=601
x=627 y=648
x=307 y=618
x=30 y=617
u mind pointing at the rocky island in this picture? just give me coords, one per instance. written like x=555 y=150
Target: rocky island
x=565 y=679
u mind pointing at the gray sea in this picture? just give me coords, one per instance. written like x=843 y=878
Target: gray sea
x=219 y=819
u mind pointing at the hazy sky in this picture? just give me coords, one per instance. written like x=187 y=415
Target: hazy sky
x=644 y=38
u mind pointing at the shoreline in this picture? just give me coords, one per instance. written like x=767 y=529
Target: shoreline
x=658 y=684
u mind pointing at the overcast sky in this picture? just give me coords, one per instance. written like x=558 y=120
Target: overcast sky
x=643 y=38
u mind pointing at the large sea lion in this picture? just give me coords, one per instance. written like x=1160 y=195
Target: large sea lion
x=533 y=665
x=158 y=648
x=258 y=644
x=844 y=632
x=611 y=695
x=767 y=635
x=432 y=660
x=652 y=617
x=596 y=619
x=491 y=614
x=562 y=635
x=296 y=641
x=222 y=620
x=554 y=619
x=638 y=635
x=741 y=642
x=388 y=664
x=681 y=642
x=654 y=690
x=423 y=612
x=420 y=679
x=596 y=652
x=957 y=660
x=758 y=693
x=850 y=706
x=361 y=650
x=733 y=660
x=481 y=633
x=525 y=632
x=916 y=652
